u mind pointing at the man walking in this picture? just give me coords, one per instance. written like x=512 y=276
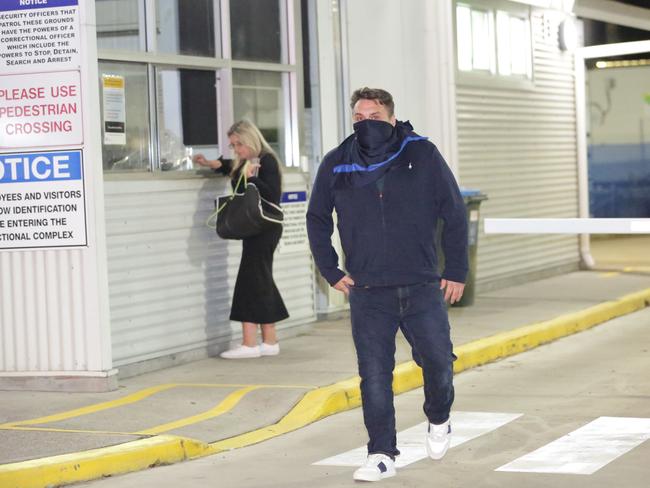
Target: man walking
x=389 y=186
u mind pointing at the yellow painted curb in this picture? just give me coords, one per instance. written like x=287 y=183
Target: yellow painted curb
x=315 y=405
x=528 y=337
x=408 y=375
x=345 y=395
x=88 y=465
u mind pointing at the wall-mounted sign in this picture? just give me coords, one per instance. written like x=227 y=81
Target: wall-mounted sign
x=38 y=35
x=114 y=110
x=294 y=234
x=42 y=200
x=40 y=110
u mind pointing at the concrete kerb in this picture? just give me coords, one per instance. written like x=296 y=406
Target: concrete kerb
x=315 y=405
x=97 y=463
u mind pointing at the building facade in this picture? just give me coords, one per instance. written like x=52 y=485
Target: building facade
x=491 y=82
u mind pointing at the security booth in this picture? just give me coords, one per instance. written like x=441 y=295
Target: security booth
x=106 y=264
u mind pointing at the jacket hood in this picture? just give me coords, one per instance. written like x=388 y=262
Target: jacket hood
x=361 y=165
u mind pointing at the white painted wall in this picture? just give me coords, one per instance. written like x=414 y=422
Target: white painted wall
x=406 y=47
x=54 y=313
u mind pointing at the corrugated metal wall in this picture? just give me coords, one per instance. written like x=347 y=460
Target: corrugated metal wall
x=171 y=278
x=46 y=317
x=519 y=147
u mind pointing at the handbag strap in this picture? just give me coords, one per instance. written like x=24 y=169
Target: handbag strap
x=213 y=216
x=242 y=174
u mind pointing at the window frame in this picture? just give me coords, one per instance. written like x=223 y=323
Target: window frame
x=493 y=78
x=223 y=65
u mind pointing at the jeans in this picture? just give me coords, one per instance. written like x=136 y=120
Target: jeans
x=420 y=312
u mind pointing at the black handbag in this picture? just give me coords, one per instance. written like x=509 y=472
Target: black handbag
x=245 y=213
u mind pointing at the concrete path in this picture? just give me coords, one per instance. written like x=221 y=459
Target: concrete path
x=215 y=405
x=522 y=408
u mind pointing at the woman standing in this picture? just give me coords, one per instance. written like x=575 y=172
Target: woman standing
x=256 y=299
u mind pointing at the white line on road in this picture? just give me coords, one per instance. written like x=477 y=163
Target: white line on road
x=465 y=427
x=587 y=449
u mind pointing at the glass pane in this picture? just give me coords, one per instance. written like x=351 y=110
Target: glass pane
x=186 y=116
x=503 y=43
x=125 y=116
x=618 y=106
x=185 y=27
x=520 y=46
x=464 y=37
x=262 y=98
x=481 y=40
x=258 y=30
x=118 y=24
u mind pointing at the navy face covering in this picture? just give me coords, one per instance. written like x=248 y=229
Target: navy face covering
x=375 y=141
x=374 y=137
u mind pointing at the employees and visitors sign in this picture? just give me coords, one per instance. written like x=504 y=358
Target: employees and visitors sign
x=42 y=200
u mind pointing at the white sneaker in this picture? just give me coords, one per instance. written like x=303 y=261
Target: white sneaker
x=377 y=467
x=269 y=349
x=438 y=439
x=242 y=352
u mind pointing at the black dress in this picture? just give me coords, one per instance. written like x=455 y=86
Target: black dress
x=256 y=298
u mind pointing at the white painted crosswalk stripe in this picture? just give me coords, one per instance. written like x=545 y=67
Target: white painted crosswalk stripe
x=587 y=449
x=465 y=427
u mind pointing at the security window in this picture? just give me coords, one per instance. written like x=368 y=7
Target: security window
x=185 y=27
x=513 y=45
x=186 y=116
x=120 y=24
x=125 y=122
x=262 y=97
x=475 y=37
x=482 y=30
x=258 y=30
x=493 y=41
x=165 y=65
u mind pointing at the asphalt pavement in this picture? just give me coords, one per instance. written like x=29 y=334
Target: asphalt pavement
x=215 y=405
x=549 y=417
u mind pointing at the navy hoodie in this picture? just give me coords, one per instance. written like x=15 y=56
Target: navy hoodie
x=388 y=226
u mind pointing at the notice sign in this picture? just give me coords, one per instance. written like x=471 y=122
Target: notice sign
x=40 y=110
x=114 y=110
x=294 y=235
x=39 y=35
x=42 y=200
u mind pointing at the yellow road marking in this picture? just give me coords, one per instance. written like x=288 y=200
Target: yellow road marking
x=70 y=431
x=637 y=269
x=97 y=407
x=227 y=404
x=133 y=398
x=611 y=274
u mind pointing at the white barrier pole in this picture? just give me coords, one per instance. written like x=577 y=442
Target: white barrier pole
x=566 y=226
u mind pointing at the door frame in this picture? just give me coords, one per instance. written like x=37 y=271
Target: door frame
x=582 y=54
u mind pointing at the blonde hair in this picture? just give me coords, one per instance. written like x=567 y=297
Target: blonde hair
x=251 y=137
